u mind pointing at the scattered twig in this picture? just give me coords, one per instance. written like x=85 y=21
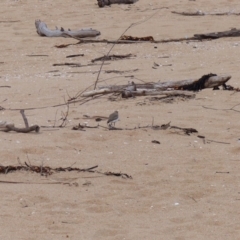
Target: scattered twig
x=102 y=3
x=64 y=117
x=208 y=140
x=201 y=13
x=67 y=64
x=187 y=131
x=123 y=175
x=9 y=21
x=33 y=55
x=113 y=57
x=45 y=170
x=75 y=55
x=121 y=72
x=215 y=35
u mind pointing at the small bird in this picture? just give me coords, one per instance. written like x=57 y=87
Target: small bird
x=113 y=118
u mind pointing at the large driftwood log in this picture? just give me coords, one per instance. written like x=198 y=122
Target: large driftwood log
x=210 y=82
x=165 y=88
x=102 y=3
x=43 y=30
x=140 y=92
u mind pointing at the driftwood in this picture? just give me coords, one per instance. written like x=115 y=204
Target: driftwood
x=201 y=13
x=206 y=81
x=43 y=30
x=209 y=83
x=102 y=3
x=7 y=127
x=141 y=92
x=11 y=127
x=214 y=35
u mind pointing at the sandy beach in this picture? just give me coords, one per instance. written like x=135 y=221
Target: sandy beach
x=186 y=187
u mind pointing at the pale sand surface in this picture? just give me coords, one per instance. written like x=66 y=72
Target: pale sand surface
x=175 y=192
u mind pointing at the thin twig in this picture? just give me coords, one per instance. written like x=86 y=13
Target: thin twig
x=132 y=25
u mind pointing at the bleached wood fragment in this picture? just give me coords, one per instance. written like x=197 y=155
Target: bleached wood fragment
x=43 y=30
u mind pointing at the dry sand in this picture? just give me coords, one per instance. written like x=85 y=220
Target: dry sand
x=175 y=192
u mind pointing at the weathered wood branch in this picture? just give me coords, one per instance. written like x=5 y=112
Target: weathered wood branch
x=140 y=92
x=7 y=127
x=11 y=127
x=102 y=3
x=209 y=82
x=43 y=30
x=171 y=88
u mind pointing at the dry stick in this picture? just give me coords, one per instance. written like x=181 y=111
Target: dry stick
x=224 y=109
x=64 y=123
x=9 y=21
x=38 y=55
x=133 y=24
x=67 y=64
x=113 y=57
x=75 y=55
x=24 y=118
x=132 y=42
x=217 y=141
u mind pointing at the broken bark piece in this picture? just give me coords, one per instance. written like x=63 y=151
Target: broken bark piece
x=43 y=30
x=130 y=38
x=102 y=3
